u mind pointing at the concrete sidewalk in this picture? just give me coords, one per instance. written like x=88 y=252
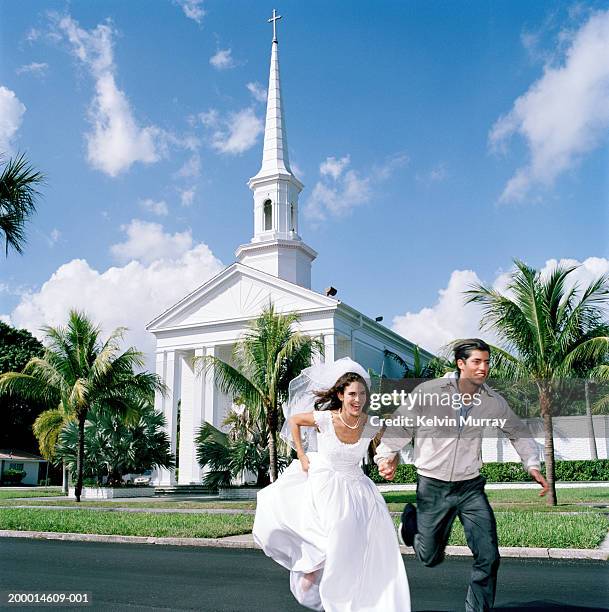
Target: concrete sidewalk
x=496 y=486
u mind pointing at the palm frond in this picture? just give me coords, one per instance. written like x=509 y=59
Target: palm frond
x=47 y=427
x=18 y=195
x=230 y=380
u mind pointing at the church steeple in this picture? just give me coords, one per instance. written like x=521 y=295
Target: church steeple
x=275 y=153
x=276 y=247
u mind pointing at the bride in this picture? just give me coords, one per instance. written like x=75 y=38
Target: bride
x=323 y=519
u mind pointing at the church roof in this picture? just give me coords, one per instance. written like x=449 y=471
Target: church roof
x=238 y=293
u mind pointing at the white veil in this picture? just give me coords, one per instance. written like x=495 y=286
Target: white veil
x=302 y=395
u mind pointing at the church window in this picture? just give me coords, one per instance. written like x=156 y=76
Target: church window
x=268 y=215
x=292 y=217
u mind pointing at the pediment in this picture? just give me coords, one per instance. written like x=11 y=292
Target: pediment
x=239 y=292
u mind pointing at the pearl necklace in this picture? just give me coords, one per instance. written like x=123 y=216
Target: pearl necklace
x=340 y=416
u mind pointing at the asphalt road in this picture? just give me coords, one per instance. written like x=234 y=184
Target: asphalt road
x=148 y=577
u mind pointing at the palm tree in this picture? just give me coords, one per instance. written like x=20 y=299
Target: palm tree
x=418 y=369
x=115 y=446
x=47 y=427
x=78 y=372
x=270 y=354
x=17 y=200
x=549 y=334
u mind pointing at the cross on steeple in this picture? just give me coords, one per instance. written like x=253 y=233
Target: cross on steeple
x=274 y=20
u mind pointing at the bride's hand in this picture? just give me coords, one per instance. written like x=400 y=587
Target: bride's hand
x=304 y=462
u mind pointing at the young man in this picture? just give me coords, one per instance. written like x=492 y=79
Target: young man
x=446 y=419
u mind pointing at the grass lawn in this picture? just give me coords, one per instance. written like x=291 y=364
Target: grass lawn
x=539 y=530
x=201 y=505
x=30 y=493
x=521 y=499
x=125 y=523
x=514 y=528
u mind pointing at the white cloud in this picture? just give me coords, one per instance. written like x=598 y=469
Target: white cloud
x=193 y=9
x=116 y=141
x=338 y=199
x=433 y=327
x=389 y=166
x=210 y=118
x=296 y=169
x=54 y=236
x=187 y=196
x=191 y=167
x=158 y=208
x=11 y=116
x=235 y=133
x=222 y=60
x=147 y=242
x=342 y=189
x=438 y=173
x=334 y=167
x=35 y=68
x=33 y=34
x=130 y=295
x=564 y=114
x=258 y=91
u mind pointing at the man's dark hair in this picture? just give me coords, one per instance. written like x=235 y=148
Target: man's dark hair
x=463 y=348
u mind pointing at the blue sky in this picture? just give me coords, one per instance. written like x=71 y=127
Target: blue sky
x=436 y=141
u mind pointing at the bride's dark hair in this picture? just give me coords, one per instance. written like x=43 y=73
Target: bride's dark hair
x=328 y=400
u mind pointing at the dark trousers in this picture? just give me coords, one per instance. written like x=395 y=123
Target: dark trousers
x=438 y=504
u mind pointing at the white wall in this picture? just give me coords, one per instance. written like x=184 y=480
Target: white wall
x=570 y=439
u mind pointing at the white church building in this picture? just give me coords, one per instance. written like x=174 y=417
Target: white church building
x=274 y=266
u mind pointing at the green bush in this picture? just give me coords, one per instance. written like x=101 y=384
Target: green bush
x=405 y=473
x=505 y=472
x=13 y=476
x=569 y=471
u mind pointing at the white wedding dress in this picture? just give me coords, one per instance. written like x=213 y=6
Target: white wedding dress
x=334 y=521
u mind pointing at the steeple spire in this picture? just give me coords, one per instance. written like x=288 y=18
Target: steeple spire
x=275 y=158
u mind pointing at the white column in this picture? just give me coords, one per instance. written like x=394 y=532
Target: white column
x=328 y=348
x=191 y=409
x=167 y=367
x=209 y=389
x=187 y=420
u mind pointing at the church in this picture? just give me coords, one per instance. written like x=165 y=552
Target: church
x=274 y=266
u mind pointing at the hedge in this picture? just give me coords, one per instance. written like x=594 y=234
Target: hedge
x=584 y=470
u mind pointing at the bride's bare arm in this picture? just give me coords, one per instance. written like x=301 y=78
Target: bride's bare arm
x=304 y=419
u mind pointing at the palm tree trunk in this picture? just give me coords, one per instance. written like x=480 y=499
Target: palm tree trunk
x=80 y=457
x=548 y=448
x=272 y=425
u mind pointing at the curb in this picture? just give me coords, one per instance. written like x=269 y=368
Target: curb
x=246 y=541
x=521 y=552
x=228 y=542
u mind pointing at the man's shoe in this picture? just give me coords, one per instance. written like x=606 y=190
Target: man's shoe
x=408 y=525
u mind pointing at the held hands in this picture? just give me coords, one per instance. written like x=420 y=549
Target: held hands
x=387 y=468
x=538 y=476
x=304 y=462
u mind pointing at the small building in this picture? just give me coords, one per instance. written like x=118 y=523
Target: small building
x=32 y=465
